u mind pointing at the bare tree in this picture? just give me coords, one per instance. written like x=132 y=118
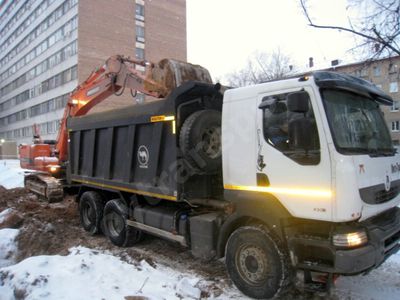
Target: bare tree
x=378 y=27
x=261 y=67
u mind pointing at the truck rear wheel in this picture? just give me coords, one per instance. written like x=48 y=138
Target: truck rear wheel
x=91 y=212
x=116 y=228
x=256 y=263
x=200 y=141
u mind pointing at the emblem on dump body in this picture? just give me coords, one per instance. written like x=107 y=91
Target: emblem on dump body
x=143 y=156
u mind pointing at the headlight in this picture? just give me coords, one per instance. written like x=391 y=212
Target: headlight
x=351 y=239
x=53 y=168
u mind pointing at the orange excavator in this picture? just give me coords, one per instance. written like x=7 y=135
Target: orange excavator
x=47 y=160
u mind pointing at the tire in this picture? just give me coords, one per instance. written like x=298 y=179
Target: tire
x=91 y=212
x=257 y=264
x=200 y=141
x=115 y=225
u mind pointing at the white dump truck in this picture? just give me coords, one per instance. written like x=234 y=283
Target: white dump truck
x=295 y=174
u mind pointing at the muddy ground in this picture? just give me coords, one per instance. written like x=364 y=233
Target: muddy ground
x=53 y=228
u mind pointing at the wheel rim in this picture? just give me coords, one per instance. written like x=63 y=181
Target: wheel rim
x=252 y=264
x=88 y=214
x=211 y=139
x=115 y=224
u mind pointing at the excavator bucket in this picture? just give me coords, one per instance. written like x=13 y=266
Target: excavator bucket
x=172 y=73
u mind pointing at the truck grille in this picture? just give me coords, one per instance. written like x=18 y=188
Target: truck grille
x=392 y=241
x=384 y=196
x=384 y=230
x=377 y=194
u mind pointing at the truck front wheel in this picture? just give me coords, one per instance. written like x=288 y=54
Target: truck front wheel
x=257 y=263
x=91 y=211
x=119 y=233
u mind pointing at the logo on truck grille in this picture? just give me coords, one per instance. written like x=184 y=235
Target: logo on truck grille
x=143 y=157
x=387 y=183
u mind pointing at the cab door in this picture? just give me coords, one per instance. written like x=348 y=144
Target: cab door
x=293 y=160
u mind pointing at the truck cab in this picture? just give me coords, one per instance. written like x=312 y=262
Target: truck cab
x=317 y=151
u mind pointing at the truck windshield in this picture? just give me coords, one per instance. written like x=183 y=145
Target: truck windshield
x=356 y=123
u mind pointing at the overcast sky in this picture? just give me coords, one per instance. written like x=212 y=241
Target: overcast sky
x=221 y=34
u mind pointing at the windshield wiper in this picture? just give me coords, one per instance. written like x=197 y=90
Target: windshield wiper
x=371 y=152
x=355 y=150
x=384 y=152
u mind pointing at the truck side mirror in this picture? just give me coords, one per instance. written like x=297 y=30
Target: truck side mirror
x=300 y=134
x=298 y=102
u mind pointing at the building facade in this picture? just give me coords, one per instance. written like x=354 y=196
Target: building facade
x=385 y=73
x=48 y=46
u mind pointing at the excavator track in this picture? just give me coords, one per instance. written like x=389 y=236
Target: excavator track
x=45 y=186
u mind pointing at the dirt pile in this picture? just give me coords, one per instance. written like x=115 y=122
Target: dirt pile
x=9 y=197
x=53 y=228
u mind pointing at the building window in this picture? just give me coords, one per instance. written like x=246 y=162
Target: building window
x=139 y=12
x=139 y=33
x=392 y=68
x=364 y=72
x=395 y=126
x=377 y=71
x=139 y=53
x=393 y=87
x=395 y=106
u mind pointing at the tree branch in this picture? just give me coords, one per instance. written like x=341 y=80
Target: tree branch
x=388 y=42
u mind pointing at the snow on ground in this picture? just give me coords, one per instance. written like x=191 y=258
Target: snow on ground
x=11 y=174
x=4 y=214
x=93 y=274
x=90 y=274
x=8 y=248
x=381 y=283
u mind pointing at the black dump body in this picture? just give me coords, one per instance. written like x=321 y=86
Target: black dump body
x=136 y=149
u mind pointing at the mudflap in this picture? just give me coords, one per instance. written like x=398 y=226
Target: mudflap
x=45 y=186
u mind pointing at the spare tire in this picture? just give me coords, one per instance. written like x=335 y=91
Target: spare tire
x=200 y=141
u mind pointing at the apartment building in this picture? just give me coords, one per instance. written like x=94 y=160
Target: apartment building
x=48 y=46
x=385 y=73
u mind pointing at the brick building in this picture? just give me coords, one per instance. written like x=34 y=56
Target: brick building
x=48 y=46
x=385 y=73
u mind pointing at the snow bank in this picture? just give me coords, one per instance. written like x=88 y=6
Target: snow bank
x=89 y=274
x=11 y=174
x=8 y=247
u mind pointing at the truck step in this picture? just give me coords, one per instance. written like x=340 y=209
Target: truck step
x=158 y=232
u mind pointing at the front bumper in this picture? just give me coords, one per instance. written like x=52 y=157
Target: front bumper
x=318 y=254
